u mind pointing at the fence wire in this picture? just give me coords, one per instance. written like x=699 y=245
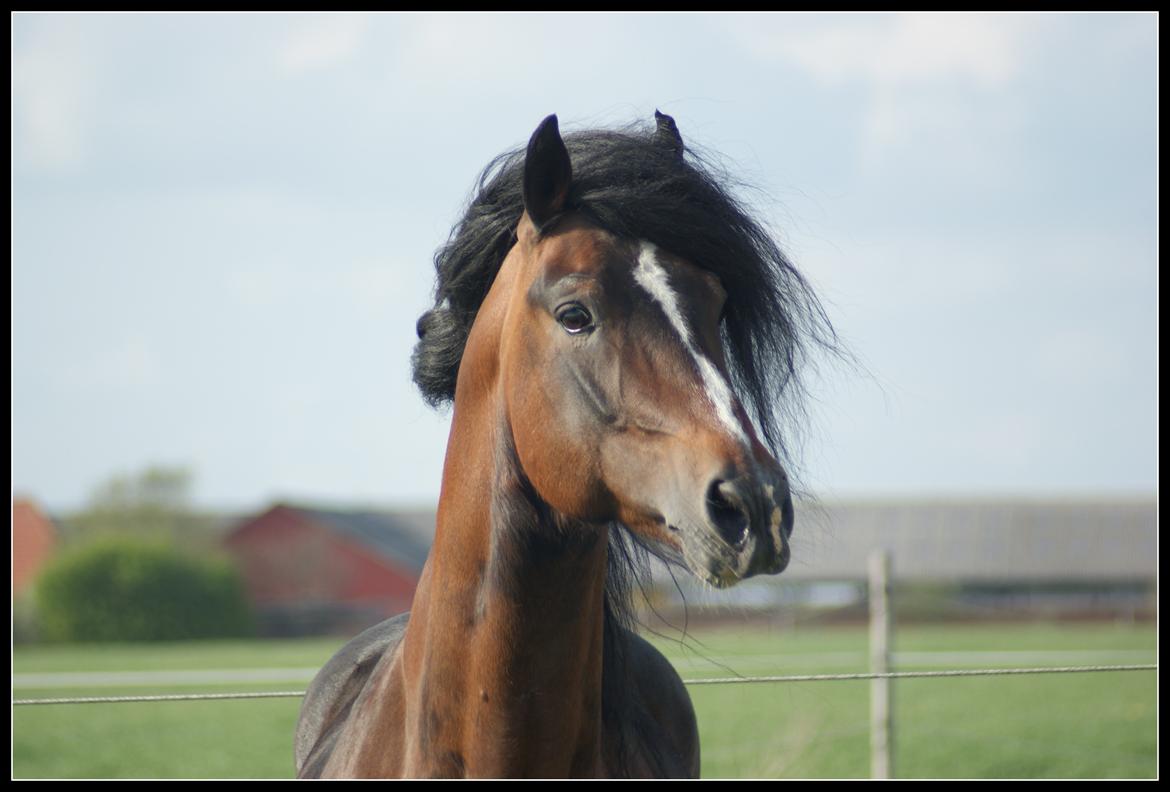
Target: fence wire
x=709 y=681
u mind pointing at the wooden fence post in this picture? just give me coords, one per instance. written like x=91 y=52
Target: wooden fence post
x=881 y=713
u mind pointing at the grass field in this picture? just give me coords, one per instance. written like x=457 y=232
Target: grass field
x=1037 y=726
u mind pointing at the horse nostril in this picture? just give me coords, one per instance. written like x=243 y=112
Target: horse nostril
x=727 y=511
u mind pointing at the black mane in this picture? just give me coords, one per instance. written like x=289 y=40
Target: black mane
x=630 y=184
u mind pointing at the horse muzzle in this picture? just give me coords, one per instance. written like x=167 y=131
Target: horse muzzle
x=743 y=529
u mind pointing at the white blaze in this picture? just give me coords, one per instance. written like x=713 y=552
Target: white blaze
x=652 y=277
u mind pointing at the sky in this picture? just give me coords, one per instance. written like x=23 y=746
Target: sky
x=223 y=228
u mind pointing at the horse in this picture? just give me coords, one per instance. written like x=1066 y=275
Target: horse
x=615 y=333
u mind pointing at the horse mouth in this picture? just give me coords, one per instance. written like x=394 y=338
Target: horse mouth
x=722 y=565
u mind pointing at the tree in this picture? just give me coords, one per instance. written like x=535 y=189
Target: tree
x=152 y=504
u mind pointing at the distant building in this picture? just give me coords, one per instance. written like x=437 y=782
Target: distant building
x=314 y=570
x=982 y=556
x=980 y=539
x=311 y=571
x=33 y=540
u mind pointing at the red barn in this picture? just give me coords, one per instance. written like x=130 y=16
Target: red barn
x=33 y=540
x=312 y=570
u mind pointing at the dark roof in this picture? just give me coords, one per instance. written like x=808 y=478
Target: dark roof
x=403 y=537
x=1105 y=538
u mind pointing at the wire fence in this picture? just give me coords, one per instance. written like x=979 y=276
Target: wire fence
x=702 y=681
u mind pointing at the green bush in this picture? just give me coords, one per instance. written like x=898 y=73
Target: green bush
x=128 y=589
x=25 y=627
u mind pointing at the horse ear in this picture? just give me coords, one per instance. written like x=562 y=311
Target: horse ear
x=667 y=133
x=547 y=173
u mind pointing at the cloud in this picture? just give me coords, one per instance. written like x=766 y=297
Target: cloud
x=476 y=48
x=126 y=365
x=54 y=82
x=894 y=49
x=322 y=41
x=912 y=66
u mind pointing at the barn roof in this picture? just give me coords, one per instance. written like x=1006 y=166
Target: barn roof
x=973 y=539
x=402 y=536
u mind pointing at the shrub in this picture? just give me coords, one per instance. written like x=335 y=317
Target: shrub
x=128 y=589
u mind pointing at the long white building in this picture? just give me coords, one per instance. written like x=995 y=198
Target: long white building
x=980 y=540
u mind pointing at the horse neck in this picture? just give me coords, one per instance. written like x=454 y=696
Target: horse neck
x=505 y=641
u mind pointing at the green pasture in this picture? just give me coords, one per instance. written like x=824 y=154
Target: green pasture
x=1101 y=725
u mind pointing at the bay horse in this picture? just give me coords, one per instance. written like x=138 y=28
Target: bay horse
x=616 y=334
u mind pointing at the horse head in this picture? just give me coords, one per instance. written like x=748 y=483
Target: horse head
x=611 y=371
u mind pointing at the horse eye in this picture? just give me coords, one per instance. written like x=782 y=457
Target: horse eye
x=574 y=318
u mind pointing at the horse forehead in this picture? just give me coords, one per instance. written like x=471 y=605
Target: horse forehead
x=670 y=278
x=578 y=248
x=584 y=250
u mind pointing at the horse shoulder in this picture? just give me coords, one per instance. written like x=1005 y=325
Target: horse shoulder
x=329 y=701
x=665 y=700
